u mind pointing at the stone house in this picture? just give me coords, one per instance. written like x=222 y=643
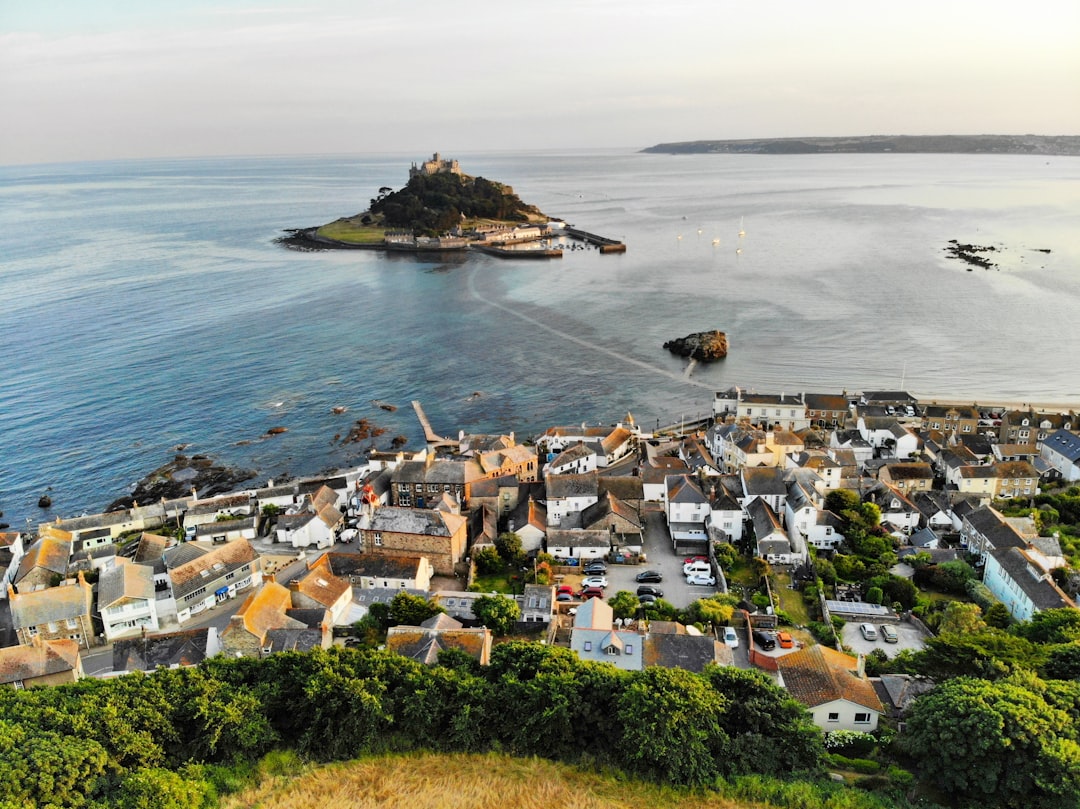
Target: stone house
x=318 y=588
x=439 y=535
x=43 y=662
x=188 y=647
x=46 y=560
x=268 y=621
x=55 y=613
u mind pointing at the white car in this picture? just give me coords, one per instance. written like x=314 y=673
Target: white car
x=869 y=631
x=731 y=637
x=702 y=579
x=594 y=581
x=692 y=568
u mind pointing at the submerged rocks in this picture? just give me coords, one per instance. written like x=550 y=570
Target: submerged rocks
x=705 y=346
x=178 y=477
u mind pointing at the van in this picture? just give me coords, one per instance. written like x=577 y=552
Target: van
x=764 y=640
x=694 y=568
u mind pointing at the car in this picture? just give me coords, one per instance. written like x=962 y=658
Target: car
x=702 y=579
x=647 y=599
x=696 y=567
x=731 y=637
x=646 y=590
x=689 y=560
x=590 y=592
x=594 y=581
x=564 y=596
x=764 y=640
x=868 y=631
x=888 y=634
x=565 y=588
x=594 y=567
x=784 y=640
x=654 y=576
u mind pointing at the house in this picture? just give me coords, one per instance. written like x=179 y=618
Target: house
x=127 y=600
x=925 y=539
x=423 y=643
x=908 y=477
x=807 y=523
x=831 y=685
x=578 y=543
x=935 y=511
x=529 y=521
x=654 y=476
x=537 y=603
x=783 y=444
x=675 y=646
x=11 y=554
x=268 y=621
x=439 y=535
x=818 y=462
x=725 y=521
x=687 y=510
x=366 y=571
x=952 y=420
x=203 y=576
x=42 y=662
x=984 y=530
x=569 y=493
x=767 y=410
x=416 y=484
x=573 y=460
x=898 y=511
x=55 y=613
x=852 y=440
x=498 y=494
x=319 y=589
x=204 y=512
x=1028 y=426
x=595 y=637
x=764 y=484
x=43 y=565
x=227 y=530
x=517 y=461
x=698 y=457
x=1061 y=449
x=188 y=647
x=773 y=543
x=827 y=410
x=898 y=692
x=896 y=399
x=1016 y=580
x=980 y=480
x=317 y=522
x=736 y=446
x=1015 y=479
x=622 y=521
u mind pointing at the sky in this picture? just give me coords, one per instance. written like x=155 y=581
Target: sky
x=109 y=79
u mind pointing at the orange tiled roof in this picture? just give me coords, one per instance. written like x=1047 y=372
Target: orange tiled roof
x=816 y=675
x=42 y=658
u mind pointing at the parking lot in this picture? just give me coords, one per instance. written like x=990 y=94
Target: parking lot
x=908 y=637
x=660 y=557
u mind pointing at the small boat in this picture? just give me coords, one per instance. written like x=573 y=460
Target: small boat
x=741 y=231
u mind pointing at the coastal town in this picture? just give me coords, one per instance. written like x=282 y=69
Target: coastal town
x=738 y=519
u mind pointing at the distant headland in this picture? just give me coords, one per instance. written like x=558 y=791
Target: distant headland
x=443 y=209
x=1068 y=145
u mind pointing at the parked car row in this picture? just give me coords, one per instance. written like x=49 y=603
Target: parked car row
x=770 y=640
x=870 y=632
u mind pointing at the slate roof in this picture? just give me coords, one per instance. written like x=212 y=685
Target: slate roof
x=40 y=659
x=825 y=401
x=380 y=566
x=816 y=675
x=126 y=581
x=560 y=487
x=575 y=453
x=51 y=604
x=764 y=481
x=151 y=548
x=910 y=471
x=1064 y=443
x=683 y=489
x=51 y=554
x=189 y=576
x=1037 y=585
x=224 y=526
x=223 y=503
x=422 y=521
x=559 y=538
x=997 y=532
x=293 y=640
x=185 y=648
x=624 y=487
x=678 y=651
x=898 y=691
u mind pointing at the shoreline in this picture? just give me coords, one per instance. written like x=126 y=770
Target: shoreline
x=1003 y=404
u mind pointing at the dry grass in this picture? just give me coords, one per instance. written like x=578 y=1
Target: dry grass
x=459 y=781
x=352 y=231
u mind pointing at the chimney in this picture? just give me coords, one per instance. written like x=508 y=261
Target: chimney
x=860 y=669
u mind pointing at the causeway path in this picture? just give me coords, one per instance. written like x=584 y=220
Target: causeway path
x=672 y=375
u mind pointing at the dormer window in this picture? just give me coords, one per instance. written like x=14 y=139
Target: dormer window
x=1024 y=423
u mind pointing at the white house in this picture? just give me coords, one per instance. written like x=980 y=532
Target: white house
x=569 y=493
x=686 y=508
x=1061 y=449
x=316 y=523
x=832 y=686
x=227 y=530
x=126 y=600
x=1016 y=579
x=773 y=543
x=11 y=553
x=806 y=523
x=573 y=460
x=578 y=543
x=725 y=514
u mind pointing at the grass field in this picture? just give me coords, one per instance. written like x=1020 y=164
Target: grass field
x=491 y=781
x=791 y=601
x=352 y=232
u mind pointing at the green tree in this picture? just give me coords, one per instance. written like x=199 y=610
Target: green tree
x=409 y=610
x=1051 y=626
x=670 y=726
x=840 y=500
x=874 y=595
x=508 y=544
x=997 y=616
x=497 y=613
x=624 y=604
x=991 y=653
x=716 y=610
x=961 y=617
x=1015 y=747
x=1063 y=662
x=488 y=561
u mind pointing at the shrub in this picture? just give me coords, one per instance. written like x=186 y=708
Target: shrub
x=874 y=595
x=488 y=561
x=822 y=633
x=850 y=741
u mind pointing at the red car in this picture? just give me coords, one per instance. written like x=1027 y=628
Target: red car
x=691 y=559
x=591 y=592
x=564 y=588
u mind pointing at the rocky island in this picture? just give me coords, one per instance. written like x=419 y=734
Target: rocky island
x=705 y=346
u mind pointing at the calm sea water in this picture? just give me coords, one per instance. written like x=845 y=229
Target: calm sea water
x=146 y=306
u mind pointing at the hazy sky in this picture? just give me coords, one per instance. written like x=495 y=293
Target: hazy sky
x=102 y=79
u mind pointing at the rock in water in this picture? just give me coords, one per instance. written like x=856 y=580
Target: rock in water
x=704 y=346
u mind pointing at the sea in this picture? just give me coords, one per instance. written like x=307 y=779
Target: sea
x=146 y=306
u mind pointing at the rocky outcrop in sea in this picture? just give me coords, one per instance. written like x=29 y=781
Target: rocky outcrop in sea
x=705 y=346
x=178 y=477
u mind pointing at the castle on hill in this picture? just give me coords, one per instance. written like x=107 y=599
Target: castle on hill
x=434 y=166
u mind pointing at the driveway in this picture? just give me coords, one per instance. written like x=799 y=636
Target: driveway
x=908 y=637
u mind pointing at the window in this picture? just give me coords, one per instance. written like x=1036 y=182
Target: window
x=611 y=650
x=230 y=576
x=52 y=626
x=862 y=719
x=72 y=623
x=588 y=646
x=433 y=487
x=834 y=717
x=377 y=539
x=629 y=648
x=419 y=487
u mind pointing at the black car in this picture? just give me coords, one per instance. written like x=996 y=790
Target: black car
x=594 y=567
x=653 y=576
x=646 y=590
x=764 y=640
x=647 y=600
